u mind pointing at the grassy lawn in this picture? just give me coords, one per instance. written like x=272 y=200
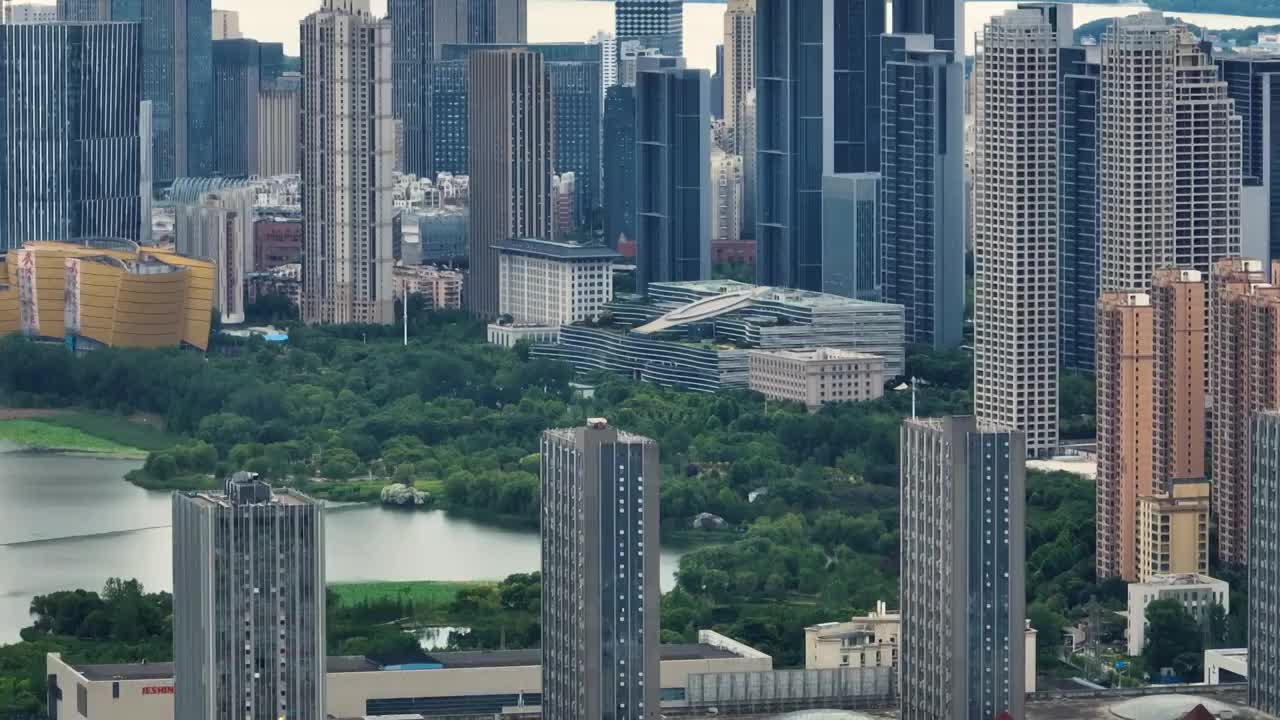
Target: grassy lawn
x=46 y=434
x=128 y=432
x=420 y=592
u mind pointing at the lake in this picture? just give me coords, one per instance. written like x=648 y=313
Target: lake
x=72 y=522
x=578 y=20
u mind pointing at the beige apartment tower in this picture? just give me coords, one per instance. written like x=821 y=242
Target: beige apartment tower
x=1245 y=362
x=1016 y=228
x=347 y=139
x=739 y=65
x=511 y=157
x=1168 y=155
x=1151 y=493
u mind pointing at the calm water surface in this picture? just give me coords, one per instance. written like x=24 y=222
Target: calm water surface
x=71 y=522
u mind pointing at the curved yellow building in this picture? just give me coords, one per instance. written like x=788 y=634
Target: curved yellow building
x=113 y=293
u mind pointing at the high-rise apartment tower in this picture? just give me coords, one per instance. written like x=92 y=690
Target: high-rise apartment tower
x=600 y=591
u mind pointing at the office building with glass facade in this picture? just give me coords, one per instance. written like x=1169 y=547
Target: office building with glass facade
x=655 y=24
x=851 y=235
x=923 y=212
x=70 y=145
x=1253 y=83
x=816 y=113
x=619 y=191
x=1078 y=78
x=177 y=77
x=962 y=647
x=673 y=174
x=419 y=30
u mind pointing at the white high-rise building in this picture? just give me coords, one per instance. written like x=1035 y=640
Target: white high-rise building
x=739 y=64
x=348 y=142
x=608 y=57
x=726 y=195
x=1168 y=155
x=1016 y=228
x=225 y=25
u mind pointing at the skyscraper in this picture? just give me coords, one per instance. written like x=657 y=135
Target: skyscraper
x=1169 y=154
x=1151 y=425
x=1264 y=563
x=177 y=77
x=851 y=235
x=619 y=164
x=1016 y=228
x=922 y=187
x=347 y=146
x=248 y=603
x=213 y=220
x=608 y=57
x=420 y=28
x=30 y=13
x=574 y=70
x=750 y=163
x=739 y=64
x=943 y=19
x=816 y=114
x=1078 y=73
x=226 y=25
x=655 y=23
x=673 y=175
x=600 y=617
x=1253 y=83
x=962 y=578
x=1244 y=360
x=236 y=85
x=70 y=148
x=512 y=130
x=278 y=126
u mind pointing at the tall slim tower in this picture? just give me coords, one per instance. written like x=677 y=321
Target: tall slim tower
x=922 y=187
x=248 y=603
x=420 y=28
x=177 y=77
x=1169 y=154
x=817 y=113
x=739 y=64
x=69 y=132
x=1244 y=357
x=655 y=23
x=943 y=19
x=600 y=591
x=673 y=175
x=1253 y=82
x=511 y=131
x=1264 y=562
x=1016 y=228
x=237 y=82
x=1078 y=71
x=348 y=141
x=962 y=580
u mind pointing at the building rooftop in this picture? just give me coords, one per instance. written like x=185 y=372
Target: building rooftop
x=822 y=353
x=523 y=658
x=556 y=250
x=1179 y=580
x=164 y=670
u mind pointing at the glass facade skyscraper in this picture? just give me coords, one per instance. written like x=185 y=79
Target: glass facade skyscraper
x=943 y=19
x=177 y=77
x=419 y=31
x=816 y=114
x=1254 y=84
x=237 y=72
x=922 y=188
x=70 y=98
x=851 y=235
x=1078 y=72
x=655 y=23
x=673 y=173
x=576 y=91
x=619 y=164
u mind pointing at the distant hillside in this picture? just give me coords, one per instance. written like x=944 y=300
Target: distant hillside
x=1240 y=37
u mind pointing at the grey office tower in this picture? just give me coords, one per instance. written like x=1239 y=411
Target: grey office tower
x=655 y=23
x=816 y=114
x=619 y=164
x=420 y=28
x=70 y=97
x=600 y=593
x=943 y=19
x=922 y=188
x=99 y=10
x=512 y=126
x=248 y=603
x=1078 y=75
x=673 y=174
x=237 y=82
x=1253 y=82
x=576 y=91
x=962 y=578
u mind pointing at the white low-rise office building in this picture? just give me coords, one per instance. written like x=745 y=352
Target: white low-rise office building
x=1197 y=593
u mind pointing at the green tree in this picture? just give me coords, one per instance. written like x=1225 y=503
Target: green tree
x=1171 y=631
